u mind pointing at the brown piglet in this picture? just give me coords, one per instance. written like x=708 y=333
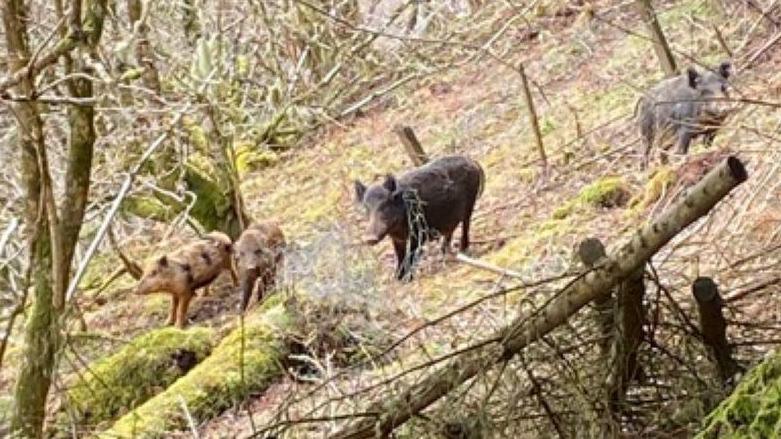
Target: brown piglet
x=183 y=271
x=258 y=254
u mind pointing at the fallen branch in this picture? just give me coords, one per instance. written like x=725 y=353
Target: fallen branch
x=460 y=257
x=526 y=329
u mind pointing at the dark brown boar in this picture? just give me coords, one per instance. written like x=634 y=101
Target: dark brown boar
x=182 y=272
x=421 y=204
x=258 y=253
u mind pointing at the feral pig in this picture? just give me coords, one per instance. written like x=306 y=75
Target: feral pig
x=682 y=108
x=259 y=253
x=182 y=272
x=422 y=204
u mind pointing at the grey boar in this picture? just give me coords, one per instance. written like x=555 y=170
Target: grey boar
x=679 y=109
x=258 y=253
x=182 y=272
x=421 y=204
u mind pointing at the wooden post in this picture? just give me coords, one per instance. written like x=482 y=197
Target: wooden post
x=533 y=120
x=661 y=47
x=714 y=326
x=411 y=145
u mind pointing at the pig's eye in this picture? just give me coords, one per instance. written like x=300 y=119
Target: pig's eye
x=258 y=252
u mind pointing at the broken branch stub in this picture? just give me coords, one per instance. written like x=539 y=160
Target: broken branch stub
x=503 y=345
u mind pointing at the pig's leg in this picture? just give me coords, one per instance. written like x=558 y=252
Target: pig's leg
x=181 y=312
x=646 y=153
x=266 y=283
x=684 y=140
x=172 y=313
x=465 y=226
x=446 y=239
x=270 y=280
x=234 y=276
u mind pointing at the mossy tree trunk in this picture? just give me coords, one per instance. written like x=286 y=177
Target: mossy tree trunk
x=41 y=332
x=52 y=237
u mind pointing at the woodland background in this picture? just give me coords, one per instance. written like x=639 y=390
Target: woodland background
x=128 y=128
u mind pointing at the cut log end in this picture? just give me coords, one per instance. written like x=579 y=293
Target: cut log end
x=736 y=168
x=705 y=290
x=591 y=250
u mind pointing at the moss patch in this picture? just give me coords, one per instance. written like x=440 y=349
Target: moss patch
x=129 y=377
x=606 y=192
x=659 y=183
x=216 y=383
x=753 y=409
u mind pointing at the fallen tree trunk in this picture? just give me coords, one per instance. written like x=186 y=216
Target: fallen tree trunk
x=393 y=412
x=247 y=360
x=131 y=376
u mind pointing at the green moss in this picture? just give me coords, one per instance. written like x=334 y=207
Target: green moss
x=148 y=207
x=753 y=409
x=250 y=157
x=522 y=249
x=197 y=135
x=660 y=182
x=129 y=377
x=217 y=382
x=605 y=192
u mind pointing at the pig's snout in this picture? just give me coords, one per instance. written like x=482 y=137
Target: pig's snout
x=370 y=239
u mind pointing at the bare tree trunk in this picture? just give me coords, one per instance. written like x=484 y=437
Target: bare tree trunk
x=533 y=119
x=714 y=326
x=41 y=336
x=53 y=236
x=393 y=412
x=662 y=49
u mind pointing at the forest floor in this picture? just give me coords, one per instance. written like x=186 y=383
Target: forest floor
x=525 y=221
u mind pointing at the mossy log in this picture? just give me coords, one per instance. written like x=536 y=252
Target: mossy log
x=132 y=375
x=213 y=208
x=607 y=192
x=218 y=382
x=753 y=410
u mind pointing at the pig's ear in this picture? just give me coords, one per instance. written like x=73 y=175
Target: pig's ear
x=390 y=183
x=693 y=76
x=725 y=69
x=360 y=190
x=163 y=261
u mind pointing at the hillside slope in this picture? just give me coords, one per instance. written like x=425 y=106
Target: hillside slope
x=587 y=75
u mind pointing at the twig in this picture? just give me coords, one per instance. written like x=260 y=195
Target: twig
x=190 y=422
x=486 y=266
